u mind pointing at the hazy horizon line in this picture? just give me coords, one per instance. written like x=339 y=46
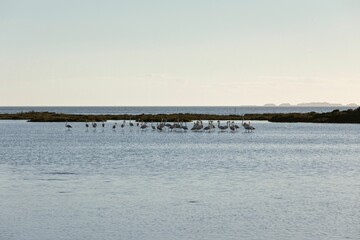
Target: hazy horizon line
x=264 y=105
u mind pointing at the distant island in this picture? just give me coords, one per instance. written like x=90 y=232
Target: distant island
x=312 y=104
x=270 y=105
x=336 y=116
x=352 y=105
x=319 y=104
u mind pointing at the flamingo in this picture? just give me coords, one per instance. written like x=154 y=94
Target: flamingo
x=143 y=125
x=68 y=125
x=247 y=126
x=160 y=126
x=232 y=127
x=184 y=127
x=222 y=128
x=176 y=125
x=208 y=127
x=198 y=125
x=195 y=126
x=212 y=125
x=236 y=126
x=168 y=125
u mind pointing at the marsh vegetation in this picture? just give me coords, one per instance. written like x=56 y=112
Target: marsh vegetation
x=336 y=116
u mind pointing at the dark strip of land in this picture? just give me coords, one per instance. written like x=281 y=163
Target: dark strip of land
x=336 y=116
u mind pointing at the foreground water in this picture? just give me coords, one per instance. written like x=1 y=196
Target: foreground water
x=284 y=181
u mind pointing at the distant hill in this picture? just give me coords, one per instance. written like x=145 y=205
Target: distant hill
x=319 y=104
x=352 y=105
x=270 y=105
x=285 y=105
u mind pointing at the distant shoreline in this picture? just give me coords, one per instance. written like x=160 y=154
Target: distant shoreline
x=336 y=116
x=312 y=104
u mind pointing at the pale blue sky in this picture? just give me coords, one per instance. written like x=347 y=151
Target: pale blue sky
x=179 y=52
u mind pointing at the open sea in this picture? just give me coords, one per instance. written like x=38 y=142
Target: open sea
x=168 y=110
x=282 y=181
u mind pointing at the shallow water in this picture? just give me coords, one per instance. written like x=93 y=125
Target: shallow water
x=283 y=181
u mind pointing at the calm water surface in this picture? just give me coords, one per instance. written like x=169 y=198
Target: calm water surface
x=284 y=181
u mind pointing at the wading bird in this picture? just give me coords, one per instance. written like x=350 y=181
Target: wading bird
x=247 y=126
x=144 y=125
x=236 y=126
x=160 y=126
x=223 y=128
x=184 y=127
x=68 y=125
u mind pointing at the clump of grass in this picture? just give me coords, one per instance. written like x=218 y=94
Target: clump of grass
x=336 y=116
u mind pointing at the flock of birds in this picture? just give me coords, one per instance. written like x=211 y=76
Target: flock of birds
x=177 y=126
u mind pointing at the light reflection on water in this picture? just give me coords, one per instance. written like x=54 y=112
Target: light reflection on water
x=284 y=181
